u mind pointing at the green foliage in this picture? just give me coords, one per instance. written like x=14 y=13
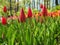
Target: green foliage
x=31 y=32
x=56 y=8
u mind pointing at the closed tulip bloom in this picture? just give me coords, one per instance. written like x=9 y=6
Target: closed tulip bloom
x=44 y=10
x=41 y=5
x=5 y=9
x=29 y=12
x=4 y=20
x=22 y=16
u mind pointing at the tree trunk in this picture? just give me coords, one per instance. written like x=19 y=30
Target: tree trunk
x=56 y=2
x=34 y=3
x=10 y=7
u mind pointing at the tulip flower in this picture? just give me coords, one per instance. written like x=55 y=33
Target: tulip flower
x=29 y=12
x=4 y=20
x=44 y=10
x=22 y=16
x=41 y=5
x=5 y=9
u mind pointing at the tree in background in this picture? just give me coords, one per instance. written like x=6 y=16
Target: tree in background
x=24 y=2
x=56 y=2
x=47 y=3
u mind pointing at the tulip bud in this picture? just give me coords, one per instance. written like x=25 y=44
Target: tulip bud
x=29 y=12
x=4 y=20
x=41 y=5
x=22 y=16
x=5 y=9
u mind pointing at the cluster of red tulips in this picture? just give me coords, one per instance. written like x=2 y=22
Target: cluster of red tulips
x=22 y=17
x=46 y=13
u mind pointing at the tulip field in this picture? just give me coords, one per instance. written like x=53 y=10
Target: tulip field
x=30 y=28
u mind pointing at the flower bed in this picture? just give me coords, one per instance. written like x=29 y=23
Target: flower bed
x=42 y=28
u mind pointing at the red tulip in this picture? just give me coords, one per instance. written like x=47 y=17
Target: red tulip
x=44 y=11
x=41 y=5
x=29 y=12
x=5 y=9
x=4 y=20
x=22 y=16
